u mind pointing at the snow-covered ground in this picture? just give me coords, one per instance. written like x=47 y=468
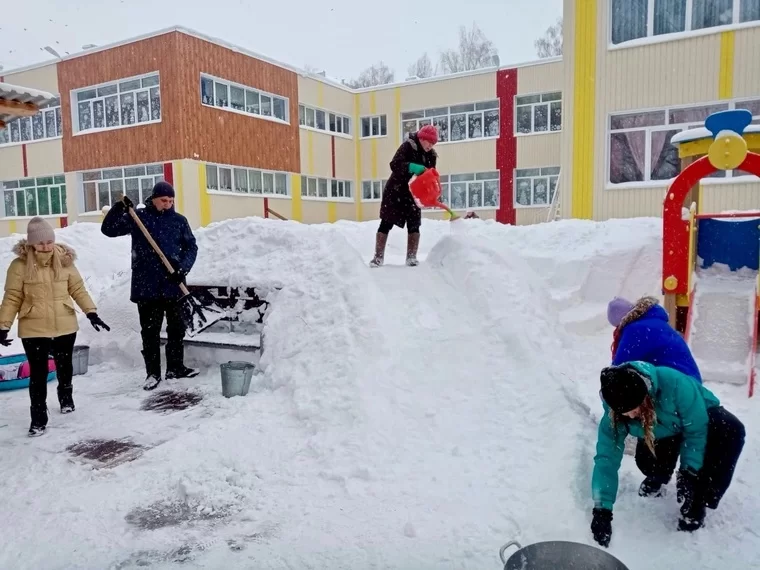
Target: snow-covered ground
x=401 y=417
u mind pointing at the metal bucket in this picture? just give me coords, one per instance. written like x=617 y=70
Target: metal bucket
x=559 y=555
x=80 y=359
x=236 y=378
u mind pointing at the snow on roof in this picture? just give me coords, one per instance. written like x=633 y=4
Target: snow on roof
x=702 y=133
x=10 y=92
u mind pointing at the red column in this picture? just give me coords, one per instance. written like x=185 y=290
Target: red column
x=506 y=144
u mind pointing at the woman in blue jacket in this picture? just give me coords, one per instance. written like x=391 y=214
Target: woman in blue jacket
x=670 y=415
x=642 y=332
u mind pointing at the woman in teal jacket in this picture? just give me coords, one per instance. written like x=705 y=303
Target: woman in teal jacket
x=670 y=415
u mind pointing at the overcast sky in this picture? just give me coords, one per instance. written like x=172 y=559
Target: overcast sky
x=340 y=36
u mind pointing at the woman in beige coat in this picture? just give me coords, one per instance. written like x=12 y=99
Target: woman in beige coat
x=39 y=288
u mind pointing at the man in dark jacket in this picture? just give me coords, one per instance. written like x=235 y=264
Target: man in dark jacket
x=398 y=206
x=154 y=290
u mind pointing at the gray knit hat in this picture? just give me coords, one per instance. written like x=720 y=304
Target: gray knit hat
x=39 y=231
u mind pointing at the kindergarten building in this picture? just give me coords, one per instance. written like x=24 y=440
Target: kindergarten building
x=238 y=134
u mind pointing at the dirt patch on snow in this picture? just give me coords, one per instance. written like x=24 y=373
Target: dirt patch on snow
x=171 y=400
x=106 y=452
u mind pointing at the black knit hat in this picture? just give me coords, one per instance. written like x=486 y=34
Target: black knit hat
x=162 y=190
x=623 y=388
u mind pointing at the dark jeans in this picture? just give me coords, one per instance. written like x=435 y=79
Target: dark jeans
x=151 y=319
x=725 y=441
x=412 y=227
x=38 y=350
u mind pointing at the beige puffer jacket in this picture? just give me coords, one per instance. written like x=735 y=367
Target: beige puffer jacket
x=43 y=301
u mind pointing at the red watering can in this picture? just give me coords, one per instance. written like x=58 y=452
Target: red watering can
x=426 y=188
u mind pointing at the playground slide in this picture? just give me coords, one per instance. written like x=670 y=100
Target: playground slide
x=722 y=323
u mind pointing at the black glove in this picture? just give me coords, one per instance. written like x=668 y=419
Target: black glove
x=96 y=322
x=178 y=276
x=690 y=499
x=127 y=202
x=4 y=337
x=601 y=526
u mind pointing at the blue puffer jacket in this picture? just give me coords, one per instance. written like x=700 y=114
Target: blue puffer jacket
x=650 y=338
x=681 y=406
x=172 y=233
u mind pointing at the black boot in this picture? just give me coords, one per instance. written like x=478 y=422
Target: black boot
x=181 y=371
x=152 y=381
x=651 y=487
x=66 y=399
x=39 y=420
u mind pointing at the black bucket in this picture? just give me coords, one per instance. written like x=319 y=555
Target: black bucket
x=558 y=555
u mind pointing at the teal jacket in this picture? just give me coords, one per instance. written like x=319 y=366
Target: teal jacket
x=681 y=406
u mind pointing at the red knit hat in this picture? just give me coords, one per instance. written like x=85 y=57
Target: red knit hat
x=428 y=133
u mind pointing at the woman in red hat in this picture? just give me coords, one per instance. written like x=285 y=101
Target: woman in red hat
x=398 y=207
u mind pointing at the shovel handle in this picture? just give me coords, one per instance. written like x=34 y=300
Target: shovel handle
x=155 y=247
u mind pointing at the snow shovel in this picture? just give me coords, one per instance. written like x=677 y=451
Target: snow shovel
x=426 y=189
x=196 y=315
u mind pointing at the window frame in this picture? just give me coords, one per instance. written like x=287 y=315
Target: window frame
x=379 y=118
x=381 y=181
x=81 y=183
x=62 y=196
x=446 y=183
x=249 y=172
x=42 y=112
x=497 y=108
x=549 y=197
x=667 y=126
x=75 y=127
x=229 y=83
x=327 y=113
x=650 y=38
x=548 y=104
x=330 y=182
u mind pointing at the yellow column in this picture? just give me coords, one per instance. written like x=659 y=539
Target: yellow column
x=12 y=228
x=358 y=160
x=179 y=195
x=584 y=92
x=296 y=205
x=205 y=199
x=373 y=142
x=726 y=75
x=332 y=212
x=396 y=119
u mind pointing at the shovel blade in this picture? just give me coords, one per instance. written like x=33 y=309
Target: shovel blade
x=197 y=316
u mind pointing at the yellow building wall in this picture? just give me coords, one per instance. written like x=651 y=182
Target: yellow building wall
x=44 y=78
x=535 y=151
x=718 y=197
x=526 y=216
x=44 y=157
x=11 y=162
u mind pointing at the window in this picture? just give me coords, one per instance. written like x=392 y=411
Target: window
x=376 y=126
x=326 y=188
x=44 y=125
x=535 y=186
x=238 y=179
x=323 y=120
x=456 y=123
x=474 y=190
x=372 y=190
x=107 y=186
x=640 y=148
x=43 y=196
x=538 y=113
x=225 y=94
x=132 y=101
x=634 y=19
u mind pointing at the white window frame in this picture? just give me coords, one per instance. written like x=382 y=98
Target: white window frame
x=335 y=187
x=477 y=177
x=145 y=182
x=259 y=92
x=53 y=107
x=429 y=119
x=330 y=117
x=548 y=177
x=372 y=120
x=376 y=189
x=251 y=174
x=547 y=104
x=668 y=126
x=76 y=130
x=59 y=182
x=687 y=32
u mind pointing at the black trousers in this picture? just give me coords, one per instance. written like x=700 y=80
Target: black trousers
x=725 y=441
x=412 y=227
x=38 y=350
x=151 y=320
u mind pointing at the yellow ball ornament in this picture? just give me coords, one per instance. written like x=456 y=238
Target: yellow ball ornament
x=727 y=151
x=671 y=282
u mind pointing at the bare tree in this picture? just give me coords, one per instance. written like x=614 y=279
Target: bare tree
x=550 y=45
x=422 y=68
x=308 y=68
x=378 y=74
x=474 y=52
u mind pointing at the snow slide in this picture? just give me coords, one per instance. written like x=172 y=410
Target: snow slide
x=720 y=334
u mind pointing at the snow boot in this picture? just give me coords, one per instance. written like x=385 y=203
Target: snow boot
x=412 y=243
x=66 y=399
x=651 y=487
x=380 y=241
x=694 y=519
x=152 y=382
x=39 y=420
x=182 y=372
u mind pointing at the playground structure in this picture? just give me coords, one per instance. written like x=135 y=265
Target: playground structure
x=710 y=264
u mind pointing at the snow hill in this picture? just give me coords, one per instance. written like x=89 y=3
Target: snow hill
x=401 y=417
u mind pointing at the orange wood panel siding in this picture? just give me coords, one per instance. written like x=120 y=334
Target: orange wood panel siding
x=218 y=135
x=157 y=142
